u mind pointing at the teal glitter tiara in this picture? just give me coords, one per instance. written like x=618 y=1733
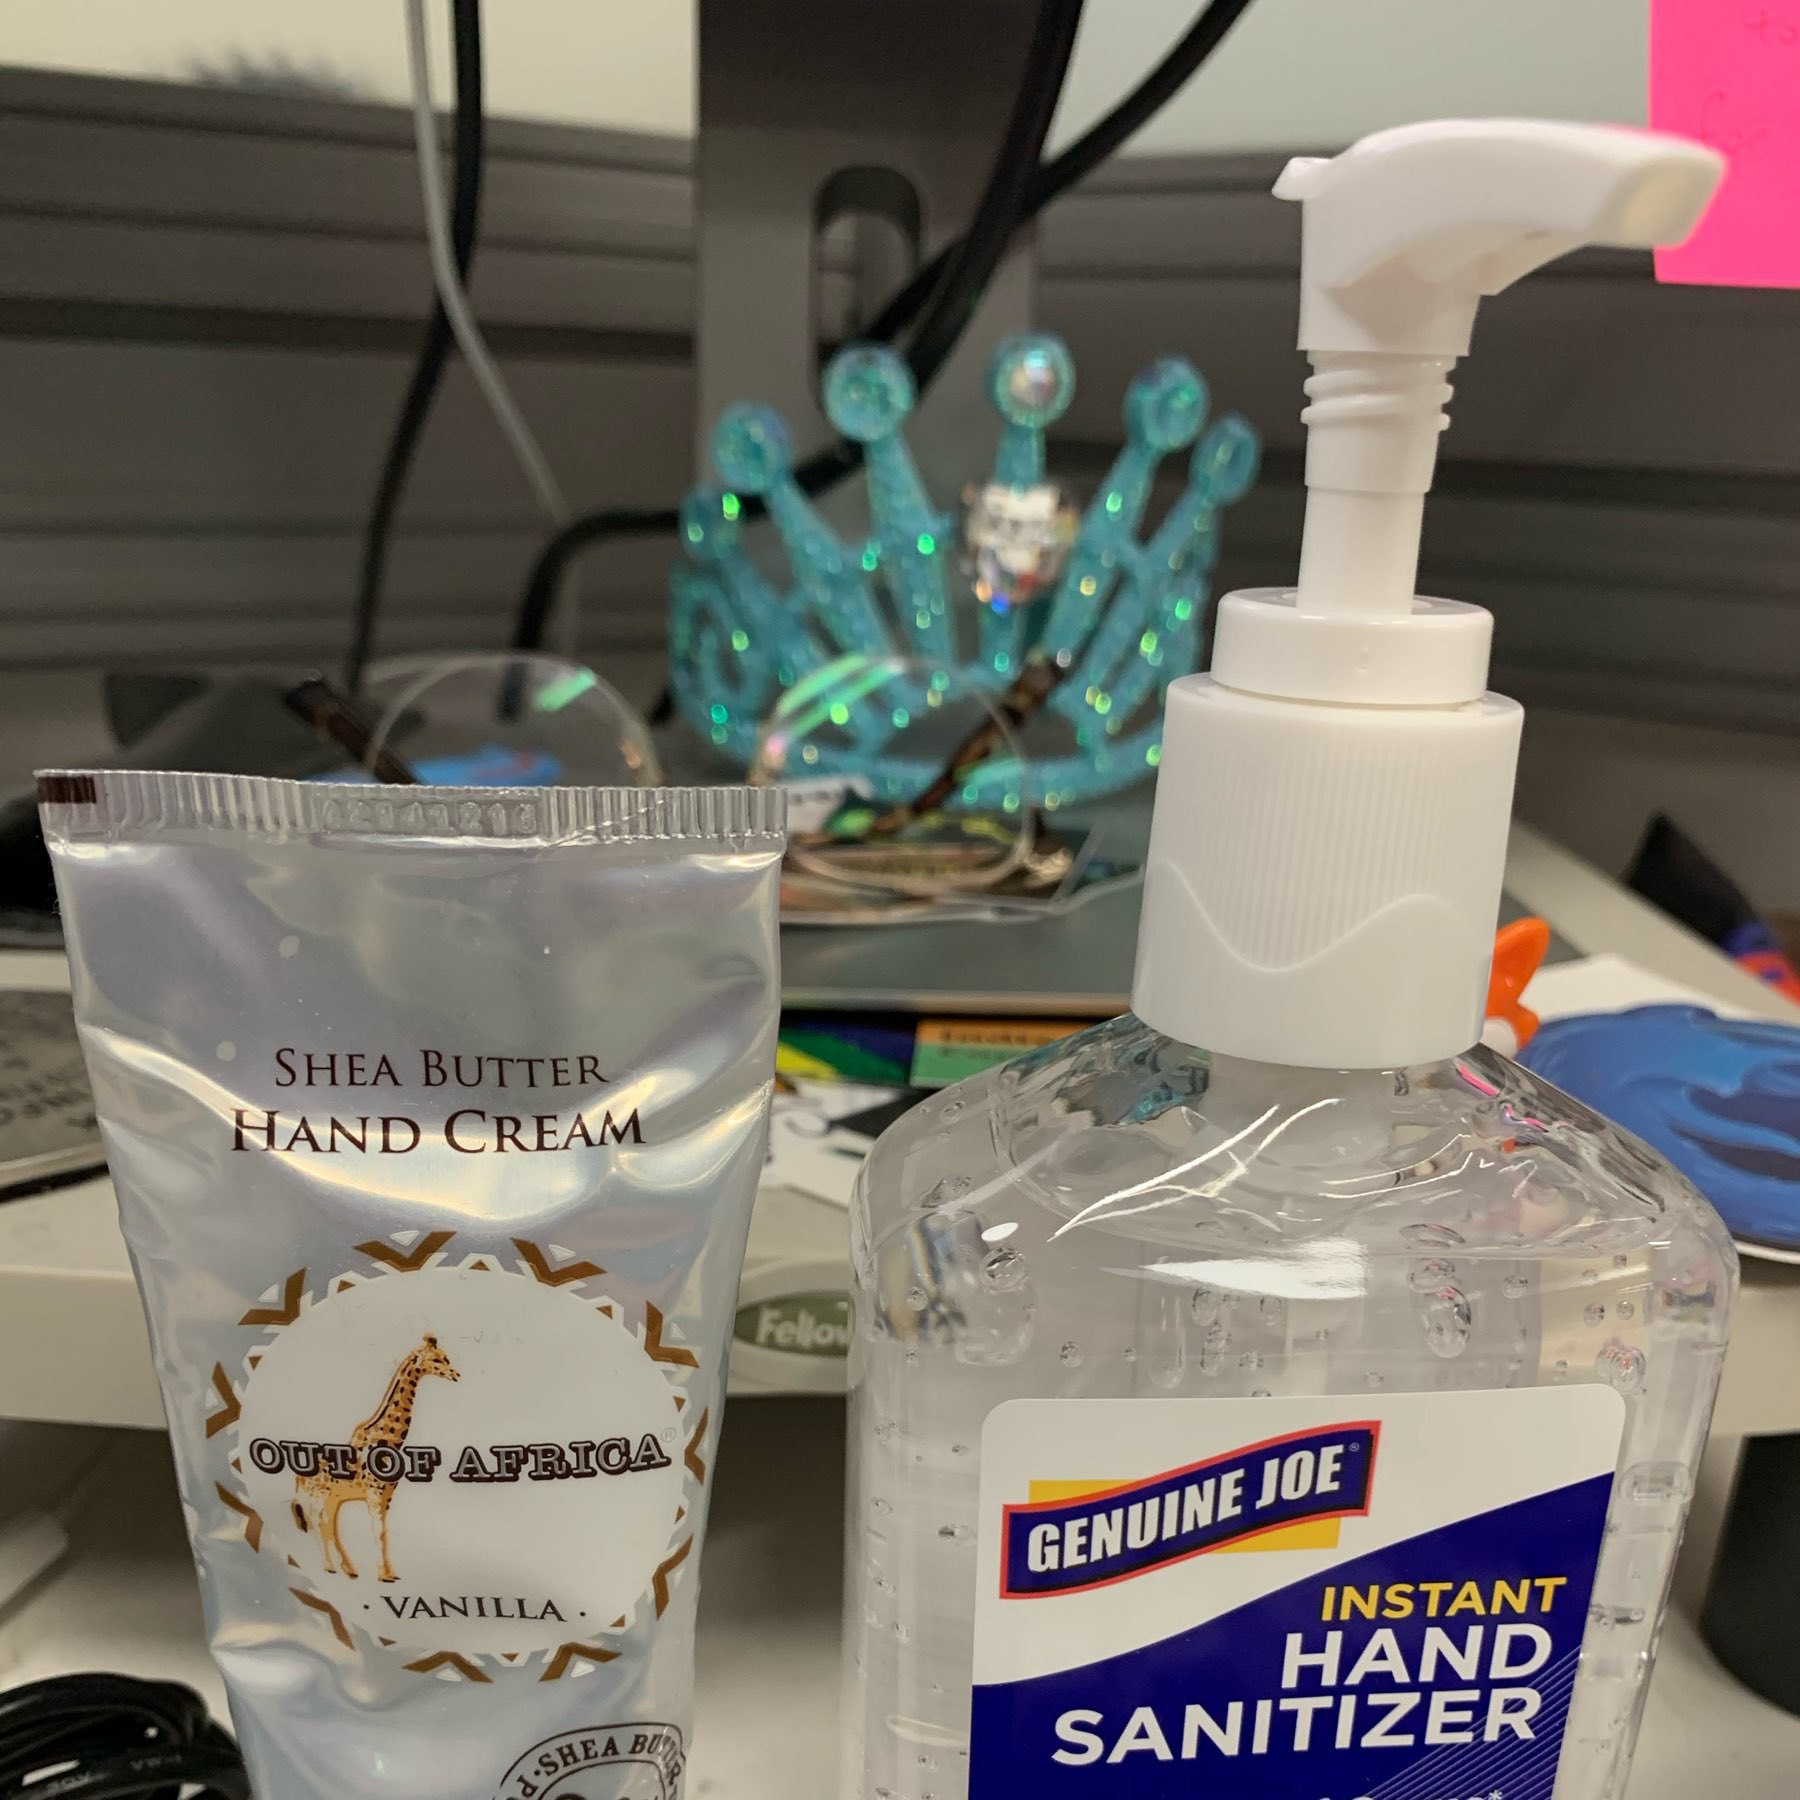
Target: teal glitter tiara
x=1021 y=579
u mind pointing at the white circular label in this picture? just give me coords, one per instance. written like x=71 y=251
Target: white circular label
x=464 y=1460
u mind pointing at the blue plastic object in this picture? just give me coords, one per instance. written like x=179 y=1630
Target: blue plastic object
x=1719 y=1097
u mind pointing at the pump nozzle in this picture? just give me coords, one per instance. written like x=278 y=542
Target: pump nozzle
x=1407 y=230
x=1402 y=236
x=1332 y=805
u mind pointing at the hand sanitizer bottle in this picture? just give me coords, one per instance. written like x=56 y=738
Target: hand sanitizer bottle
x=1273 y=1395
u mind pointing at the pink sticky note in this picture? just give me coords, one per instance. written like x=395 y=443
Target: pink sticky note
x=1728 y=73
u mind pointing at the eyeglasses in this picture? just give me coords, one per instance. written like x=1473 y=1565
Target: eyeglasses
x=503 y=719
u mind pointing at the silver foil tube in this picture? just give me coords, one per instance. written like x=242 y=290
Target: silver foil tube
x=435 y=1117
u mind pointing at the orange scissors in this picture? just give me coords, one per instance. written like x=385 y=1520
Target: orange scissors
x=1519 y=950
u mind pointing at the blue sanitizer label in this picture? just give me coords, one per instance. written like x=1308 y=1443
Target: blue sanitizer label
x=1286 y=1599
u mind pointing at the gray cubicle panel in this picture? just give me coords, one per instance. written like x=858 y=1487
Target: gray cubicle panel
x=209 y=301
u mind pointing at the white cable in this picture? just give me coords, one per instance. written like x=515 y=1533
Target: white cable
x=449 y=286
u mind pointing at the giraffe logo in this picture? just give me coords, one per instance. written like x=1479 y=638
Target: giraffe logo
x=564 y=1431
x=377 y=1442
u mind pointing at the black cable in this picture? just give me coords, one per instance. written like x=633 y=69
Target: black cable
x=1053 y=179
x=109 y=1737
x=924 y=293
x=434 y=350
x=546 y=572
x=953 y=282
x=998 y=214
x=1185 y=60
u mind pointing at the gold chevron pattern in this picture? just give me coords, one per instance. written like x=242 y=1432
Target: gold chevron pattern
x=448 y=1659
x=570 y=1654
x=539 y=1264
x=695 y=1461
x=339 y=1629
x=660 y=1580
x=225 y=1419
x=406 y=1262
x=293 y=1291
x=253 y=1525
x=657 y=1350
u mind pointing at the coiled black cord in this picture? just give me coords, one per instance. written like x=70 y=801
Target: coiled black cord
x=945 y=306
x=434 y=350
x=110 y=1737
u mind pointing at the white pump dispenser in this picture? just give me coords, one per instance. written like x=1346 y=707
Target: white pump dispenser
x=1333 y=800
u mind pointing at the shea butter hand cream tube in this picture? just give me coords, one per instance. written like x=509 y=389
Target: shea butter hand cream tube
x=435 y=1117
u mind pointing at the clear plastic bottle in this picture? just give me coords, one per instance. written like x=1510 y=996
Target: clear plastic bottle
x=1122 y=1216
x=1311 y=1415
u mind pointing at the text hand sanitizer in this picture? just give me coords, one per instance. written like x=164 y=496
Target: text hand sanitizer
x=1269 y=1395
